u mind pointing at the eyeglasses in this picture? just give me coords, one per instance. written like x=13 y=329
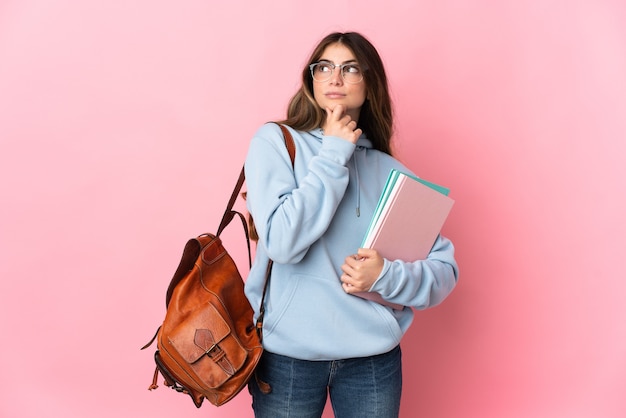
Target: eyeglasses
x=323 y=71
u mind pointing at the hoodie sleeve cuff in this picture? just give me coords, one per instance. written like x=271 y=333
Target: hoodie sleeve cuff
x=337 y=149
x=377 y=286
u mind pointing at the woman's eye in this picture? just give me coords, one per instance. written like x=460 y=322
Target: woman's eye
x=323 y=68
x=352 y=69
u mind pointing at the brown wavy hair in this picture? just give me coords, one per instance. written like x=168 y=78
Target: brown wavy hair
x=376 y=117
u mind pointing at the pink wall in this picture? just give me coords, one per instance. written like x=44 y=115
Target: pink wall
x=123 y=126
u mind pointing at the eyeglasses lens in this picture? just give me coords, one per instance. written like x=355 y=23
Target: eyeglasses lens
x=322 y=71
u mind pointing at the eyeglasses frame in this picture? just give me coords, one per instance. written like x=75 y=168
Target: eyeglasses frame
x=332 y=65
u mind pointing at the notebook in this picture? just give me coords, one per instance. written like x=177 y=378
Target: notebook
x=406 y=222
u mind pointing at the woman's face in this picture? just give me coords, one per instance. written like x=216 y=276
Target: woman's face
x=336 y=90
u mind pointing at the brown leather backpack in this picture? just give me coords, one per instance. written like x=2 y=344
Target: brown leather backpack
x=208 y=345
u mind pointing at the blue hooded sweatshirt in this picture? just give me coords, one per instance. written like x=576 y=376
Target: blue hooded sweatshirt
x=309 y=219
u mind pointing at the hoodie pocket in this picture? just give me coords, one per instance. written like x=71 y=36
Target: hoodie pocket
x=313 y=312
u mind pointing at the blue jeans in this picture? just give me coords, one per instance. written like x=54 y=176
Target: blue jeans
x=358 y=387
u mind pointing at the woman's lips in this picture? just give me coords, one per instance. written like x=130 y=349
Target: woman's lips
x=334 y=95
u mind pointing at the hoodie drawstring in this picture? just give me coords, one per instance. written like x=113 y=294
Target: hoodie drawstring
x=358 y=185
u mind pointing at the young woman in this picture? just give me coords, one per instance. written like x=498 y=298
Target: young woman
x=319 y=338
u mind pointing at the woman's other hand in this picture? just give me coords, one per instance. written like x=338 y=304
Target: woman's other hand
x=361 y=270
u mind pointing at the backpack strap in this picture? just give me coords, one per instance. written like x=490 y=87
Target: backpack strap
x=229 y=214
x=291 y=149
x=290 y=144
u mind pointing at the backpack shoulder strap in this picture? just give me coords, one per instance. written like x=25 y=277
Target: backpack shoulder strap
x=228 y=212
x=289 y=143
x=291 y=149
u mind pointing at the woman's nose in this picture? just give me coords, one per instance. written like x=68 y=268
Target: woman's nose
x=336 y=77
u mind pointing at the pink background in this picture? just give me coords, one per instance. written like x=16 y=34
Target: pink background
x=123 y=126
